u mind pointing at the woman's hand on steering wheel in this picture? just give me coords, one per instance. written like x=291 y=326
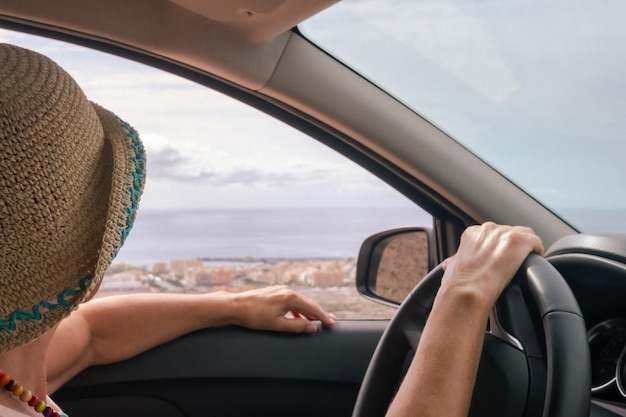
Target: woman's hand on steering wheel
x=488 y=257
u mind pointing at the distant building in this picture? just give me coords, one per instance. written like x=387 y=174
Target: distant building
x=195 y=263
x=180 y=266
x=118 y=267
x=122 y=282
x=209 y=277
x=266 y=276
x=326 y=279
x=160 y=268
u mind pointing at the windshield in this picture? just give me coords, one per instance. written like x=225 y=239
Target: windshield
x=537 y=89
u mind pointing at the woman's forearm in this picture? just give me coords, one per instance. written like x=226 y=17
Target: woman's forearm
x=440 y=379
x=111 y=329
x=123 y=326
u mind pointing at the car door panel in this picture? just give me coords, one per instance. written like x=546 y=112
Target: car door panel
x=232 y=371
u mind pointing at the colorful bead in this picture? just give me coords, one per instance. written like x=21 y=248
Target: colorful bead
x=40 y=406
x=4 y=379
x=18 y=390
x=26 y=396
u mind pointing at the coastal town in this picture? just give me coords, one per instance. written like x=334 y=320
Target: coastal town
x=328 y=281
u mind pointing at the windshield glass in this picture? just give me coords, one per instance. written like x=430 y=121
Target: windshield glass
x=537 y=89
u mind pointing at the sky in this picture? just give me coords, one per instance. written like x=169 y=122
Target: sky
x=536 y=88
x=206 y=150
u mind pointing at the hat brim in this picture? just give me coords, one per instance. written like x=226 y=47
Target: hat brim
x=127 y=178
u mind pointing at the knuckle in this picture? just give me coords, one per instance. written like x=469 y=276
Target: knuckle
x=513 y=237
x=285 y=292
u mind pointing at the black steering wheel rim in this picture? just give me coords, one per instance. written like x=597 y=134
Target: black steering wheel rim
x=565 y=386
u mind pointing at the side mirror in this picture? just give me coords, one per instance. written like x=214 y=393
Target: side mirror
x=393 y=262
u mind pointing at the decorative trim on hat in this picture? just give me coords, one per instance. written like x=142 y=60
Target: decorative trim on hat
x=134 y=191
x=136 y=188
x=35 y=313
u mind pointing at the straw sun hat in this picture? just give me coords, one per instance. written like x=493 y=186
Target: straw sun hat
x=71 y=174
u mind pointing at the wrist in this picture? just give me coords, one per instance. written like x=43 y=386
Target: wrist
x=464 y=300
x=220 y=308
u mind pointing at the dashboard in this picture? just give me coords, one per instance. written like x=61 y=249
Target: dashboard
x=607 y=347
x=595 y=269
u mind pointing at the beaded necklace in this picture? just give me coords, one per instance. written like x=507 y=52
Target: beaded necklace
x=27 y=397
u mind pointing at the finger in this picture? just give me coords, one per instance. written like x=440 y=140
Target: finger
x=529 y=233
x=537 y=244
x=297 y=314
x=531 y=242
x=307 y=308
x=294 y=325
x=447 y=262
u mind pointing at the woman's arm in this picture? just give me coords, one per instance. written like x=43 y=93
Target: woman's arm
x=440 y=380
x=115 y=328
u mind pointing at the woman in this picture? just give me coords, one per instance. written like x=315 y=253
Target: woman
x=71 y=175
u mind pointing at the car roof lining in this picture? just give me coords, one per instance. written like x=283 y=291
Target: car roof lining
x=256 y=20
x=239 y=40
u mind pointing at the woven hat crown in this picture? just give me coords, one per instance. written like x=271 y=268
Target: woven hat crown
x=71 y=174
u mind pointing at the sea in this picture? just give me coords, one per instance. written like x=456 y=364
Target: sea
x=217 y=235
x=302 y=233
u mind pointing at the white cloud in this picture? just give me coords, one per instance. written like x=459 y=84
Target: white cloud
x=206 y=150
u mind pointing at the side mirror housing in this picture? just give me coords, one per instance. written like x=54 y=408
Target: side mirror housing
x=392 y=263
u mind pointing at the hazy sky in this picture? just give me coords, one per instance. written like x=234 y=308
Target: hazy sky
x=535 y=87
x=206 y=150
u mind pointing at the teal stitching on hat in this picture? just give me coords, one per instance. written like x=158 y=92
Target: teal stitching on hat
x=35 y=313
x=134 y=191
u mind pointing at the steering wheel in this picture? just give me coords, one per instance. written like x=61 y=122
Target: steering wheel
x=539 y=366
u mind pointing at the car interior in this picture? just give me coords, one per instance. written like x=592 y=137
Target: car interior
x=555 y=341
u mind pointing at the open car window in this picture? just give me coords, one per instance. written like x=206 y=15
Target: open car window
x=234 y=199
